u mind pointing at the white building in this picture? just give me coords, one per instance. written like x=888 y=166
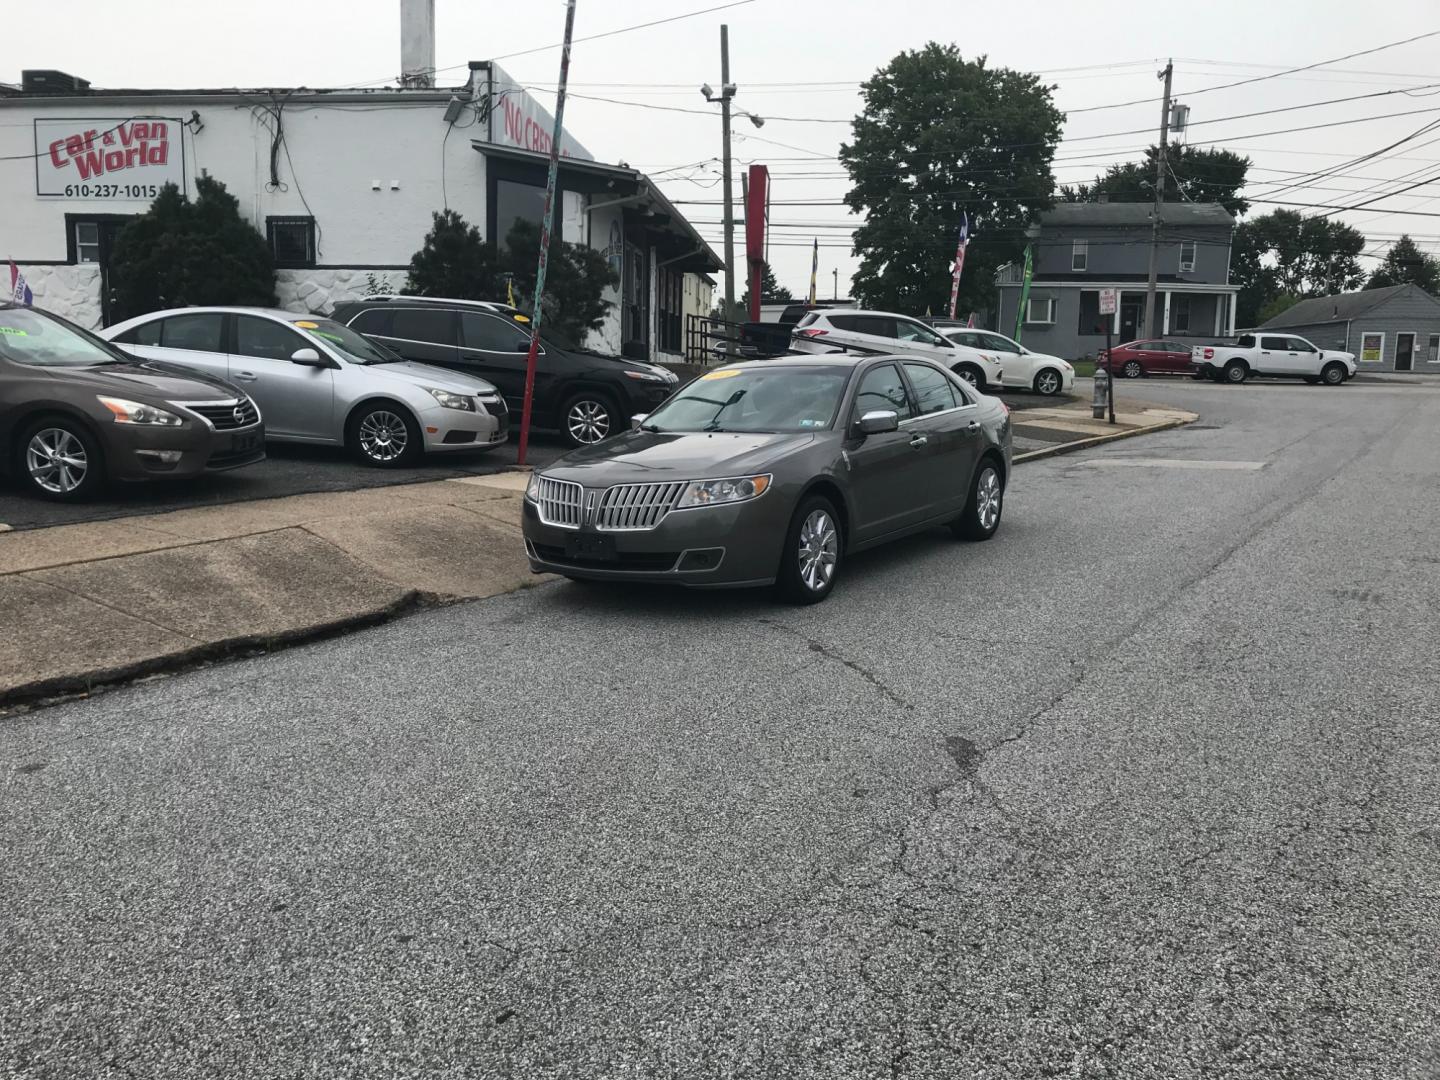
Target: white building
x=343 y=184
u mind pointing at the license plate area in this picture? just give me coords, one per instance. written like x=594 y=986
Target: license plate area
x=239 y=444
x=591 y=547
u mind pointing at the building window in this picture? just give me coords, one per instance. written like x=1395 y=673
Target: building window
x=1372 y=348
x=1187 y=256
x=87 y=241
x=1433 y=355
x=1079 y=254
x=1181 y=313
x=1041 y=309
x=670 y=306
x=518 y=202
x=292 y=241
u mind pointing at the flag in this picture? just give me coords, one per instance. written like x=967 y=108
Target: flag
x=814 y=268
x=510 y=290
x=19 y=290
x=970 y=323
x=959 y=261
x=1024 y=290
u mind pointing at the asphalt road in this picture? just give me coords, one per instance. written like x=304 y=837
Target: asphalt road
x=1149 y=786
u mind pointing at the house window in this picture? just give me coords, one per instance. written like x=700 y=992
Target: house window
x=87 y=241
x=292 y=241
x=670 y=306
x=1433 y=355
x=1041 y=309
x=1181 y=312
x=1187 y=256
x=1079 y=254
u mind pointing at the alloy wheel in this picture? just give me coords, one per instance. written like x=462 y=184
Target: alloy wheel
x=383 y=436
x=1133 y=370
x=968 y=374
x=1048 y=383
x=819 y=550
x=588 y=421
x=987 y=499
x=56 y=460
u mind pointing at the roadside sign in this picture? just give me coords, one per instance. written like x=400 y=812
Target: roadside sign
x=1108 y=300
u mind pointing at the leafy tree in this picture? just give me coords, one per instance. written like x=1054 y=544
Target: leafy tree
x=941 y=137
x=771 y=291
x=1406 y=264
x=455 y=262
x=1203 y=175
x=1278 y=306
x=1287 y=252
x=181 y=253
x=576 y=277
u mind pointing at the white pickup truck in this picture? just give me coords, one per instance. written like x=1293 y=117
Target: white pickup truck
x=1284 y=356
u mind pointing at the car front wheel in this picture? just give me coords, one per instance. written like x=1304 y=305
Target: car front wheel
x=981 y=517
x=1048 y=382
x=1333 y=375
x=60 y=460
x=588 y=419
x=971 y=374
x=810 y=562
x=384 y=435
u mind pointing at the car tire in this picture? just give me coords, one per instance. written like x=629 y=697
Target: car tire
x=57 y=458
x=1313 y=380
x=814 y=548
x=1333 y=374
x=384 y=435
x=1133 y=369
x=1236 y=372
x=1049 y=382
x=588 y=418
x=971 y=374
x=981 y=517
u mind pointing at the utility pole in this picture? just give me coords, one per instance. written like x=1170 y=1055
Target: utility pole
x=835 y=293
x=726 y=93
x=1151 y=329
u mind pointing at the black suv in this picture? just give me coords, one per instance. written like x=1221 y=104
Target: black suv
x=585 y=395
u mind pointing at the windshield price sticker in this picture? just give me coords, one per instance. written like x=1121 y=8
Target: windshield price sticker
x=731 y=373
x=308 y=325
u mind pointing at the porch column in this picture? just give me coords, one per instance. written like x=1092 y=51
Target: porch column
x=1165 y=322
x=1230 y=330
x=1119 y=295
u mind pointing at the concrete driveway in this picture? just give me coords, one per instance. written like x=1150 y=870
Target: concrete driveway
x=1149 y=786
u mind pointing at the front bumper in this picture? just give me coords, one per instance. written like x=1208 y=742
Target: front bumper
x=709 y=547
x=142 y=452
x=456 y=429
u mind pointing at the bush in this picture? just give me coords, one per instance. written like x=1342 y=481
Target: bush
x=181 y=253
x=454 y=262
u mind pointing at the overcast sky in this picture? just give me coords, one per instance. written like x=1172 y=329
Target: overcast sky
x=1096 y=53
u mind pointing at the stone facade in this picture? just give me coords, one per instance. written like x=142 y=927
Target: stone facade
x=318 y=291
x=72 y=292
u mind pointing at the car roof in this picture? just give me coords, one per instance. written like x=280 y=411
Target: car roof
x=864 y=311
x=391 y=298
x=821 y=360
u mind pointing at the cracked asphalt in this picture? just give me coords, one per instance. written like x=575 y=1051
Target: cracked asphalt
x=1149 y=786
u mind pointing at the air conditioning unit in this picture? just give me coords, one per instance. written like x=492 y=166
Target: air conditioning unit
x=52 y=82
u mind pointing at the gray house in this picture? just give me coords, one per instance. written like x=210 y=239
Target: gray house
x=1394 y=329
x=1081 y=248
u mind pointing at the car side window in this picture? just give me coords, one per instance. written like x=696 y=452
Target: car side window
x=933 y=392
x=1279 y=344
x=906 y=330
x=144 y=334
x=845 y=322
x=265 y=339
x=424 y=325
x=372 y=321
x=197 y=333
x=883 y=390
x=875 y=325
x=491 y=334
x=1300 y=345
x=1246 y=342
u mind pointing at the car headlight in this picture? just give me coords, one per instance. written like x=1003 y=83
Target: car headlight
x=729 y=490
x=132 y=412
x=532 y=489
x=645 y=376
x=448 y=400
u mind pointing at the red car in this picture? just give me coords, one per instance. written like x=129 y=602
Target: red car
x=1157 y=357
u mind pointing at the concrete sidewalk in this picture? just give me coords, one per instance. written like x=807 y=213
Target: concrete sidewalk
x=86 y=605
x=82 y=605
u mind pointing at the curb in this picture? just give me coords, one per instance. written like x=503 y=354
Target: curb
x=1097 y=440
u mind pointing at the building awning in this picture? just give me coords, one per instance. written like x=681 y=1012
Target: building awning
x=680 y=246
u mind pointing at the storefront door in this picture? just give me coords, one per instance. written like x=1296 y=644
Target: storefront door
x=1404 y=352
x=635 y=304
x=91 y=239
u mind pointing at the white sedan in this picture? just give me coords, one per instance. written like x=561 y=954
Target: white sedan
x=1021 y=367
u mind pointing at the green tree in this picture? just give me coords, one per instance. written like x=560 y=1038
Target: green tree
x=576 y=277
x=1287 y=252
x=1277 y=306
x=941 y=137
x=1196 y=173
x=1406 y=264
x=771 y=291
x=181 y=253
x=455 y=262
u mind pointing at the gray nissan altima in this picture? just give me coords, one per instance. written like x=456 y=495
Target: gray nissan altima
x=772 y=472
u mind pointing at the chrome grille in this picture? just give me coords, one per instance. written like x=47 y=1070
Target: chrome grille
x=630 y=507
x=225 y=415
x=561 y=502
x=495 y=406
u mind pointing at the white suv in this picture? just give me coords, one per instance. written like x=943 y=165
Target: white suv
x=884 y=331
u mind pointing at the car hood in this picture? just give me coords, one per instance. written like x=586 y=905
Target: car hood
x=1336 y=354
x=457 y=382
x=659 y=456
x=1046 y=358
x=149 y=378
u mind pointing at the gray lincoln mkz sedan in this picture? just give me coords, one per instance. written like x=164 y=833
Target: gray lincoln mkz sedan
x=771 y=472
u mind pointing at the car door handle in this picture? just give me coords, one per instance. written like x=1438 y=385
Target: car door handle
x=246 y=376
x=973 y=425
x=919 y=440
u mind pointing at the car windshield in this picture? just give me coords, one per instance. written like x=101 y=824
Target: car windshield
x=350 y=345
x=760 y=399
x=28 y=337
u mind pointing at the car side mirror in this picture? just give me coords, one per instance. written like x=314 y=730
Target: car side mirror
x=637 y=420
x=307 y=358
x=879 y=422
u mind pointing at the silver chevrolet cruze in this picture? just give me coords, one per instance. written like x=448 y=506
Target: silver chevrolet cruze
x=317 y=381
